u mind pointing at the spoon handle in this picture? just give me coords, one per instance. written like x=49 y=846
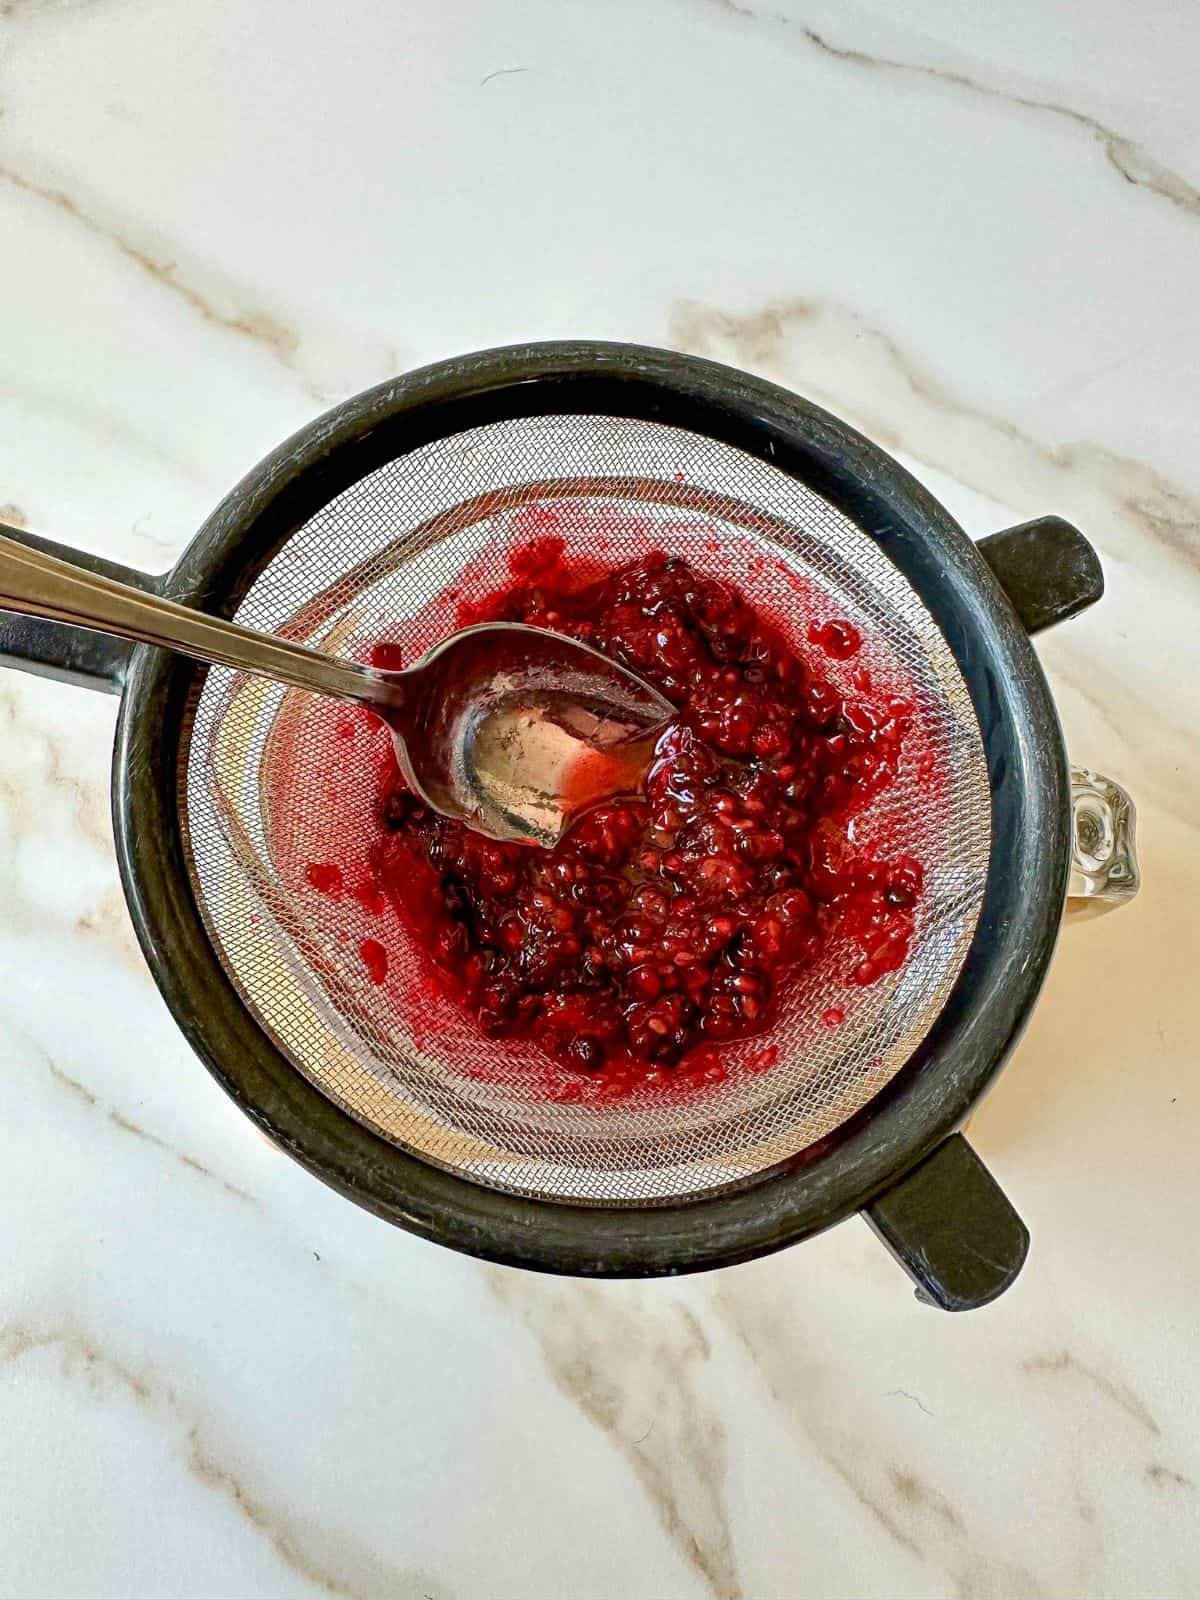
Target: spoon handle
x=41 y=585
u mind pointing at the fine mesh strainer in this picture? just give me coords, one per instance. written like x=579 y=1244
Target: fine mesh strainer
x=352 y=533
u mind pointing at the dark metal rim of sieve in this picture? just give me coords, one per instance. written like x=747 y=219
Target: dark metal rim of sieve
x=891 y=1157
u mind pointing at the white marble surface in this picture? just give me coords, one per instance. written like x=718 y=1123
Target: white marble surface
x=974 y=232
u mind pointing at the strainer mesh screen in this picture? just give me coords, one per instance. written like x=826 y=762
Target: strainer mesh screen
x=406 y=1062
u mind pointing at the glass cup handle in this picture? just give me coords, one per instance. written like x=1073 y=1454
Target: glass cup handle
x=1104 y=868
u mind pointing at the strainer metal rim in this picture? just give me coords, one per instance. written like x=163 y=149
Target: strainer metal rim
x=1023 y=744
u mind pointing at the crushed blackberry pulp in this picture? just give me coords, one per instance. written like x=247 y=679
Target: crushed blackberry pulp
x=671 y=923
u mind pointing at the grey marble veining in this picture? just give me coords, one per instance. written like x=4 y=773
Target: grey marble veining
x=978 y=239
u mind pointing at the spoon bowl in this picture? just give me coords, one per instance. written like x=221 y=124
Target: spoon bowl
x=515 y=729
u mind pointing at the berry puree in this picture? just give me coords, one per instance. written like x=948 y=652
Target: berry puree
x=668 y=924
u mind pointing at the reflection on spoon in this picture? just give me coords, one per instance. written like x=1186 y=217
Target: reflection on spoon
x=519 y=729
x=537 y=770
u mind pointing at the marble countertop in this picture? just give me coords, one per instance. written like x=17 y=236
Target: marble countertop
x=974 y=234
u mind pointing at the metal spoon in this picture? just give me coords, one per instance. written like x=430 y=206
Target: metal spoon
x=508 y=728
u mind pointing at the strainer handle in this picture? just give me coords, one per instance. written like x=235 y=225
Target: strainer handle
x=950 y=1226
x=57 y=651
x=1047 y=568
x=39 y=583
